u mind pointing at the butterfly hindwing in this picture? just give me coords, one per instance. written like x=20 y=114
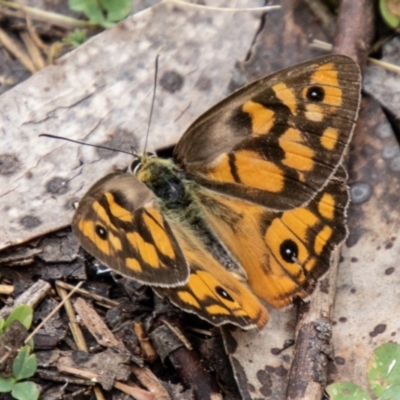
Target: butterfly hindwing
x=283 y=254
x=277 y=141
x=119 y=223
x=212 y=292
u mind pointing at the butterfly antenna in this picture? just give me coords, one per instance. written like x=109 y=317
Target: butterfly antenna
x=152 y=103
x=98 y=146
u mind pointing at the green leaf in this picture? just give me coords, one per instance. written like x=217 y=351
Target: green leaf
x=393 y=393
x=390 y=19
x=6 y=384
x=91 y=8
x=2 y=322
x=117 y=10
x=24 y=365
x=346 y=391
x=384 y=368
x=25 y=391
x=23 y=314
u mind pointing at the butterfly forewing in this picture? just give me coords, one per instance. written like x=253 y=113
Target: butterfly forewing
x=278 y=141
x=119 y=223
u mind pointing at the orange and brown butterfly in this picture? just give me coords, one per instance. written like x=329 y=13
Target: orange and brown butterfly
x=257 y=180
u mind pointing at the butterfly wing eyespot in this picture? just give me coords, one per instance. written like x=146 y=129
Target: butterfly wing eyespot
x=100 y=232
x=223 y=293
x=289 y=250
x=279 y=140
x=315 y=94
x=119 y=223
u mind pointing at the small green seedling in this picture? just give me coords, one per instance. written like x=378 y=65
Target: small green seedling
x=24 y=364
x=76 y=38
x=102 y=12
x=22 y=313
x=383 y=377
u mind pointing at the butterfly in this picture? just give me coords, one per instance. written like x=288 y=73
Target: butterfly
x=249 y=209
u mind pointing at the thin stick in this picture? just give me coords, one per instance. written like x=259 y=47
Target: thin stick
x=131 y=389
x=16 y=51
x=73 y=324
x=99 y=299
x=53 y=312
x=35 y=37
x=33 y=50
x=265 y=8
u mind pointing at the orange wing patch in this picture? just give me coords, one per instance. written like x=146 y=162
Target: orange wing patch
x=262 y=118
x=248 y=168
x=326 y=206
x=329 y=138
x=116 y=210
x=297 y=154
x=155 y=224
x=314 y=112
x=322 y=238
x=287 y=96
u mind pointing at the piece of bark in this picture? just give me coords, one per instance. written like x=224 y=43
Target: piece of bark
x=56 y=392
x=47 y=359
x=151 y=382
x=108 y=365
x=45 y=341
x=22 y=256
x=96 y=326
x=59 y=248
x=56 y=326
